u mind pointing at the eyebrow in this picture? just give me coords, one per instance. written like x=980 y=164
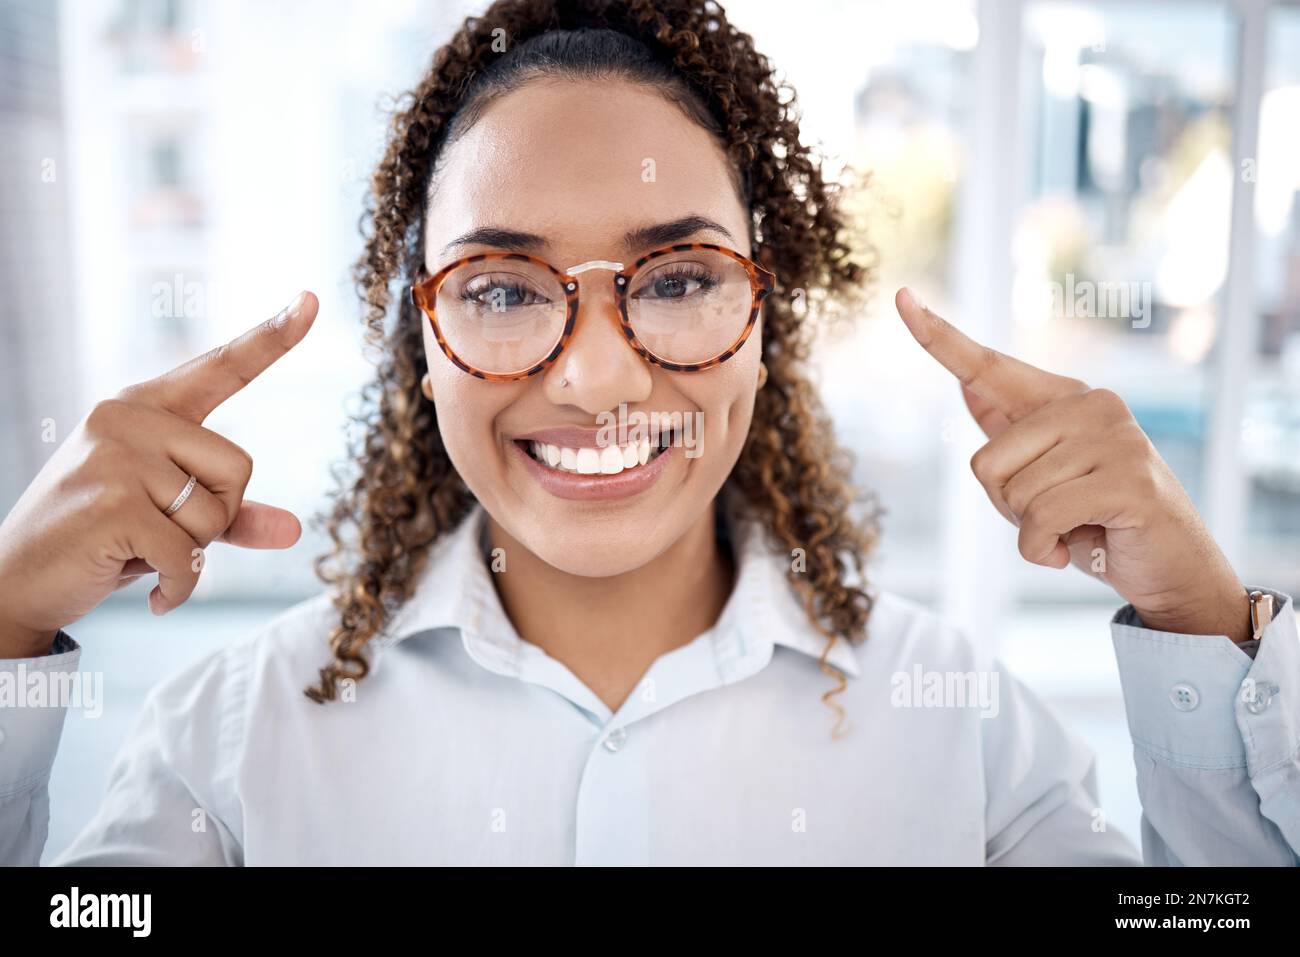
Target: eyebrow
x=659 y=234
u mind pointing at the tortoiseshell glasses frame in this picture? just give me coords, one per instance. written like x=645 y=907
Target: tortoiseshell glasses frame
x=424 y=295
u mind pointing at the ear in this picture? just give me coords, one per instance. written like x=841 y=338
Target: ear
x=764 y=258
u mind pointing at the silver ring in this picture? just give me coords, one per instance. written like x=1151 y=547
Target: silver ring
x=180 y=499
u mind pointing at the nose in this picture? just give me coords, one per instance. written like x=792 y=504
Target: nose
x=599 y=366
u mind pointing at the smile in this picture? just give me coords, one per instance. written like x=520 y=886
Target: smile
x=610 y=460
x=583 y=472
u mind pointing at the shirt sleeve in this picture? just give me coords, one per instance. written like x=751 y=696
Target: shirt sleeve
x=30 y=728
x=1215 y=740
x=170 y=798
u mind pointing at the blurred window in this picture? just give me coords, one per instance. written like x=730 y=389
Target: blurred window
x=1271 y=427
x=1122 y=246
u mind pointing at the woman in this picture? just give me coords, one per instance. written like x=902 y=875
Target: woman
x=597 y=591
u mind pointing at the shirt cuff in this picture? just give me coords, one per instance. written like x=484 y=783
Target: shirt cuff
x=1201 y=701
x=32 y=708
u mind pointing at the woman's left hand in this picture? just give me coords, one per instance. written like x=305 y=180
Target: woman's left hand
x=1071 y=468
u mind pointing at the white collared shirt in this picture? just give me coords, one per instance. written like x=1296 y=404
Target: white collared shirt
x=469 y=745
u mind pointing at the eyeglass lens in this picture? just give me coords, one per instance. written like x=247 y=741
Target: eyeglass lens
x=503 y=316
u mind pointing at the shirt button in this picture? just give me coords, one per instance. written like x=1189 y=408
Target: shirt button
x=614 y=740
x=1258 y=702
x=1184 y=697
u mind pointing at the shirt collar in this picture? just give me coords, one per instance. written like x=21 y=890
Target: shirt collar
x=455 y=590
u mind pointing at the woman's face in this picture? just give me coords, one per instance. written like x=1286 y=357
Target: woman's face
x=581 y=165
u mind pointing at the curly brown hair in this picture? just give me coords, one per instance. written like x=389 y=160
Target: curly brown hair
x=792 y=476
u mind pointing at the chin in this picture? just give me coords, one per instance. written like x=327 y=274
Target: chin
x=592 y=548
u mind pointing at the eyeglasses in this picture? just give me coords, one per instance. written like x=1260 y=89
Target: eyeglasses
x=507 y=316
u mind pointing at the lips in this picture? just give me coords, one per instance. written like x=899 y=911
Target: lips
x=588 y=472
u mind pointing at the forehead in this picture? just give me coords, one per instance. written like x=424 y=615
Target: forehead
x=581 y=162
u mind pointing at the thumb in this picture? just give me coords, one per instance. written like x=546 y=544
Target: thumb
x=262 y=526
x=990 y=420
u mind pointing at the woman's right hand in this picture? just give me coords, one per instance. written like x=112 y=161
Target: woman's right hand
x=93 y=519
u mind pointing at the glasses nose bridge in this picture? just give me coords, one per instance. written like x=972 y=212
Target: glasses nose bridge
x=571 y=276
x=594 y=264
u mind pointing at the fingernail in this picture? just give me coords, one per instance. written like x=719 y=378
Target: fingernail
x=291 y=311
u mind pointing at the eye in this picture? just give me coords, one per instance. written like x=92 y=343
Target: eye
x=676 y=281
x=499 y=293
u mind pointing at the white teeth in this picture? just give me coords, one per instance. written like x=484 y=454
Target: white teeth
x=610 y=460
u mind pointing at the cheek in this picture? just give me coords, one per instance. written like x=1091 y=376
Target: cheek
x=725 y=397
x=467 y=412
x=735 y=392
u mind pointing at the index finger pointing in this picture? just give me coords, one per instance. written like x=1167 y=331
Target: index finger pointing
x=194 y=389
x=1013 y=387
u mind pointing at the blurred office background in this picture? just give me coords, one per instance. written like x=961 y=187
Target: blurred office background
x=174 y=170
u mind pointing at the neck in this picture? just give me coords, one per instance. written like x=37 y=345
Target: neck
x=609 y=631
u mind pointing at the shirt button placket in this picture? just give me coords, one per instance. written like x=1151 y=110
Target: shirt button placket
x=612 y=816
